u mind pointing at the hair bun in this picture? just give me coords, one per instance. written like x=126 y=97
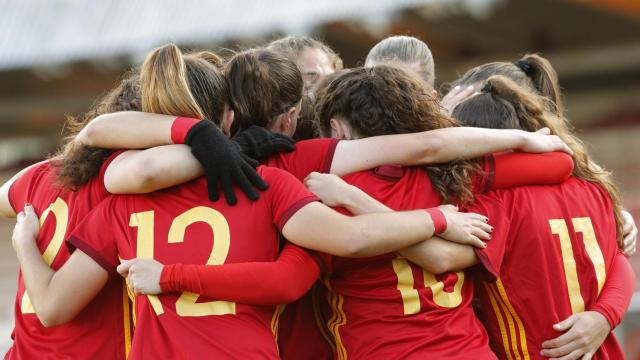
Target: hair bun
x=523 y=65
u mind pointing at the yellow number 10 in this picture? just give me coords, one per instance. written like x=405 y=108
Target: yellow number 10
x=186 y=304
x=584 y=226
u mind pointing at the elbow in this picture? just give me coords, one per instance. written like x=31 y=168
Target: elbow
x=90 y=134
x=439 y=265
x=50 y=317
x=430 y=148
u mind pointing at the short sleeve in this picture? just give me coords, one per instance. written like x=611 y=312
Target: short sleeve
x=97 y=235
x=22 y=187
x=286 y=195
x=309 y=156
x=491 y=206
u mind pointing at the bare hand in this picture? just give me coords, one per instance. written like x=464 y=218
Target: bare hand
x=542 y=142
x=331 y=189
x=143 y=275
x=27 y=227
x=630 y=233
x=583 y=334
x=465 y=228
x=454 y=97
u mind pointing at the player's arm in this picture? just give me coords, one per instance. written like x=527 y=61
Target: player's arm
x=256 y=283
x=6 y=209
x=57 y=296
x=437 y=146
x=435 y=255
x=583 y=333
x=630 y=233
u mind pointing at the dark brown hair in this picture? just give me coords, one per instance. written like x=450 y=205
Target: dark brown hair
x=503 y=104
x=407 y=50
x=262 y=84
x=531 y=71
x=307 y=127
x=385 y=100
x=292 y=46
x=75 y=164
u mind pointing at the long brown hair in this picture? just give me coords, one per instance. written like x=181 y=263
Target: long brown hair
x=75 y=164
x=531 y=71
x=503 y=104
x=263 y=84
x=404 y=49
x=183 y=85
x=385 y=100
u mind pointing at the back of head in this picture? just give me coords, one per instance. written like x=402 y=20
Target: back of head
x=262 y=84
x=503 y=104
x=379 y=100
x=407 y=50
x=76 y=164
x=182 y=85
x=384 y=100
x=532 y=71
x=292 y=46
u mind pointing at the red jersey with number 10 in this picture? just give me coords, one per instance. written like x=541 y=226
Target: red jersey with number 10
x=180 y=225
x=386 y=307
x=102 y=329
x=550 y=253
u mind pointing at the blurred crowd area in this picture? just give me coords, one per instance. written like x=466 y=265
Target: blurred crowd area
x=57 y=57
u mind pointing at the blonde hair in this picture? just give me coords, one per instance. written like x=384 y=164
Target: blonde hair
x=407 y=50
x=504 y=104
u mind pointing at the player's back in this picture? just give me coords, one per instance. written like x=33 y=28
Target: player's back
x=386 y=306
x=98 y=332
x=552 y=247
x=180 y=225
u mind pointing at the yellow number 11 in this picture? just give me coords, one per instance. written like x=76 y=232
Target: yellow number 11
x=582 y=225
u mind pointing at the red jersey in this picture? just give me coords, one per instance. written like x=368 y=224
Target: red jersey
x=548 y=259
x=101 y=330
x=180 y=225
x=386 y=307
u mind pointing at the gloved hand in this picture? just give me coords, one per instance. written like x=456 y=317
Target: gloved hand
x=223 y=162
x=259 y=143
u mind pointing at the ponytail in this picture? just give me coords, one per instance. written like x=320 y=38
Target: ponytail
x=164 y=84
x=544 y=78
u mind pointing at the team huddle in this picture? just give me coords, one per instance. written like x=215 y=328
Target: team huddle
x=275 y=205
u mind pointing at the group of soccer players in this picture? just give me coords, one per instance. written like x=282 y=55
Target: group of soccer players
x=401 y=225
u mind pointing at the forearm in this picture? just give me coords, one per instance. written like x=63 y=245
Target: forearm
x=36 y=275
x=437 y=255
x=127 y=130
x=259 y=283
x=358 y=202
x=617 y=291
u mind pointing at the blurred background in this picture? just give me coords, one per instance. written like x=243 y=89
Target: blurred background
x=58 y=56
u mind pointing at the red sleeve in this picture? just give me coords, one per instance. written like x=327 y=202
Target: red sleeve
x=286 y=195
x=96 y=235
x=309 y=156
x=491 y=257
x=21 y=191
x=617 y=291
x=508 y=169
x=286 y=280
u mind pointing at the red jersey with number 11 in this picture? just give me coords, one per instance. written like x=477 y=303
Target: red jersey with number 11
x=550 y=253
x=180 y=225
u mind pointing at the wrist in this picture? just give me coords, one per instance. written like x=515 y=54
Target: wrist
x=180 y=128
x=166 y=276
x=438 y=220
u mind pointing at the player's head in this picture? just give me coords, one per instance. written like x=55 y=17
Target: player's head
x=532 y=71
x=266 y=89
x=407 y=50
x=384 y=100
x=76 y=164
x=503 y=104
x=314 y=58
x=185 y=85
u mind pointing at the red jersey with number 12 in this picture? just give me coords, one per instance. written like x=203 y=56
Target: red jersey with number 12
x=549 y=256
x=180 y=225
x=102 y=329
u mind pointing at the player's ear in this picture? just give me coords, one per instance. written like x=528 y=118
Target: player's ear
x=339 y=129
x=227 y=120
x=434 y=94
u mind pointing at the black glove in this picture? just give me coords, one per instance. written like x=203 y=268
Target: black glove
x=259 y=143
x=223 y=163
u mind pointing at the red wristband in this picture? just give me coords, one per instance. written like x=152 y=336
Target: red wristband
x=180 y=128
x=439 y=221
